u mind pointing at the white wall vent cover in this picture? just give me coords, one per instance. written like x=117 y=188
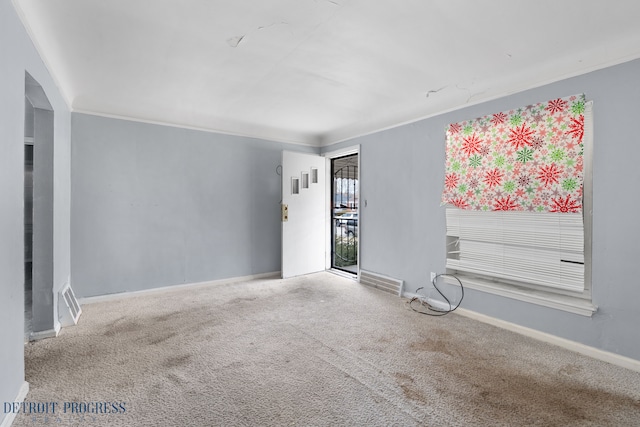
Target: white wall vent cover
x=384 y=283
x=70 y=312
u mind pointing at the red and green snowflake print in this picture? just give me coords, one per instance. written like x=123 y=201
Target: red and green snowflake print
x=528 y=159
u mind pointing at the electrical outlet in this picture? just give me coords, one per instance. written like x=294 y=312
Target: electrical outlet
x=433 y=276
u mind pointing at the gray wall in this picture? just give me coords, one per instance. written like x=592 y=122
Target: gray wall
x=156 y=205
x=403 y=227
x=19 y=55
x=43 y=240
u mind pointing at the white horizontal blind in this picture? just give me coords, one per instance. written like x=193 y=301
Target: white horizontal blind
x=542 y=249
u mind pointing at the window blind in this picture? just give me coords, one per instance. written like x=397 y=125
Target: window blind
x=525 y=159
x=525 y=247
x=526 y=228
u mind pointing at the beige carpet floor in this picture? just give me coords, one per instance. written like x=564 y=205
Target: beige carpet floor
x=319 y=350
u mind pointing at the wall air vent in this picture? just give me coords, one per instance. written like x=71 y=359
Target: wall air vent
x=384 y=283
x=70 y=311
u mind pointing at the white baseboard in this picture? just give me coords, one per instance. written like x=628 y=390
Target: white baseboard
x=121 y=295
x=22 y=394
x=49 y=333
x=605 y=356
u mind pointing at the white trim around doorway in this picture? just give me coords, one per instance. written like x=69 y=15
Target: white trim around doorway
x=330 y=155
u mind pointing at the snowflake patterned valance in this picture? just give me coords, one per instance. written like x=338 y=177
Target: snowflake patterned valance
x=528 y=159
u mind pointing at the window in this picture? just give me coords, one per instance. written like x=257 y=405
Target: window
x=516 y=235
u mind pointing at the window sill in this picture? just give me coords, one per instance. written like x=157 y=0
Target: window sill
x=567 y=303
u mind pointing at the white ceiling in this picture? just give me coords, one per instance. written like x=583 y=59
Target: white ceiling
x=316 y=71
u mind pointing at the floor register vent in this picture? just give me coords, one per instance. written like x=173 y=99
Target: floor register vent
x=71 y=311
x=384 y=283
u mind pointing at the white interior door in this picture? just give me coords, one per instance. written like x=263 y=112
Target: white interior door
x=304 y=228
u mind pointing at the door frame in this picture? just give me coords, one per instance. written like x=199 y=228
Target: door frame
x=330 y=155
x=44 y=301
